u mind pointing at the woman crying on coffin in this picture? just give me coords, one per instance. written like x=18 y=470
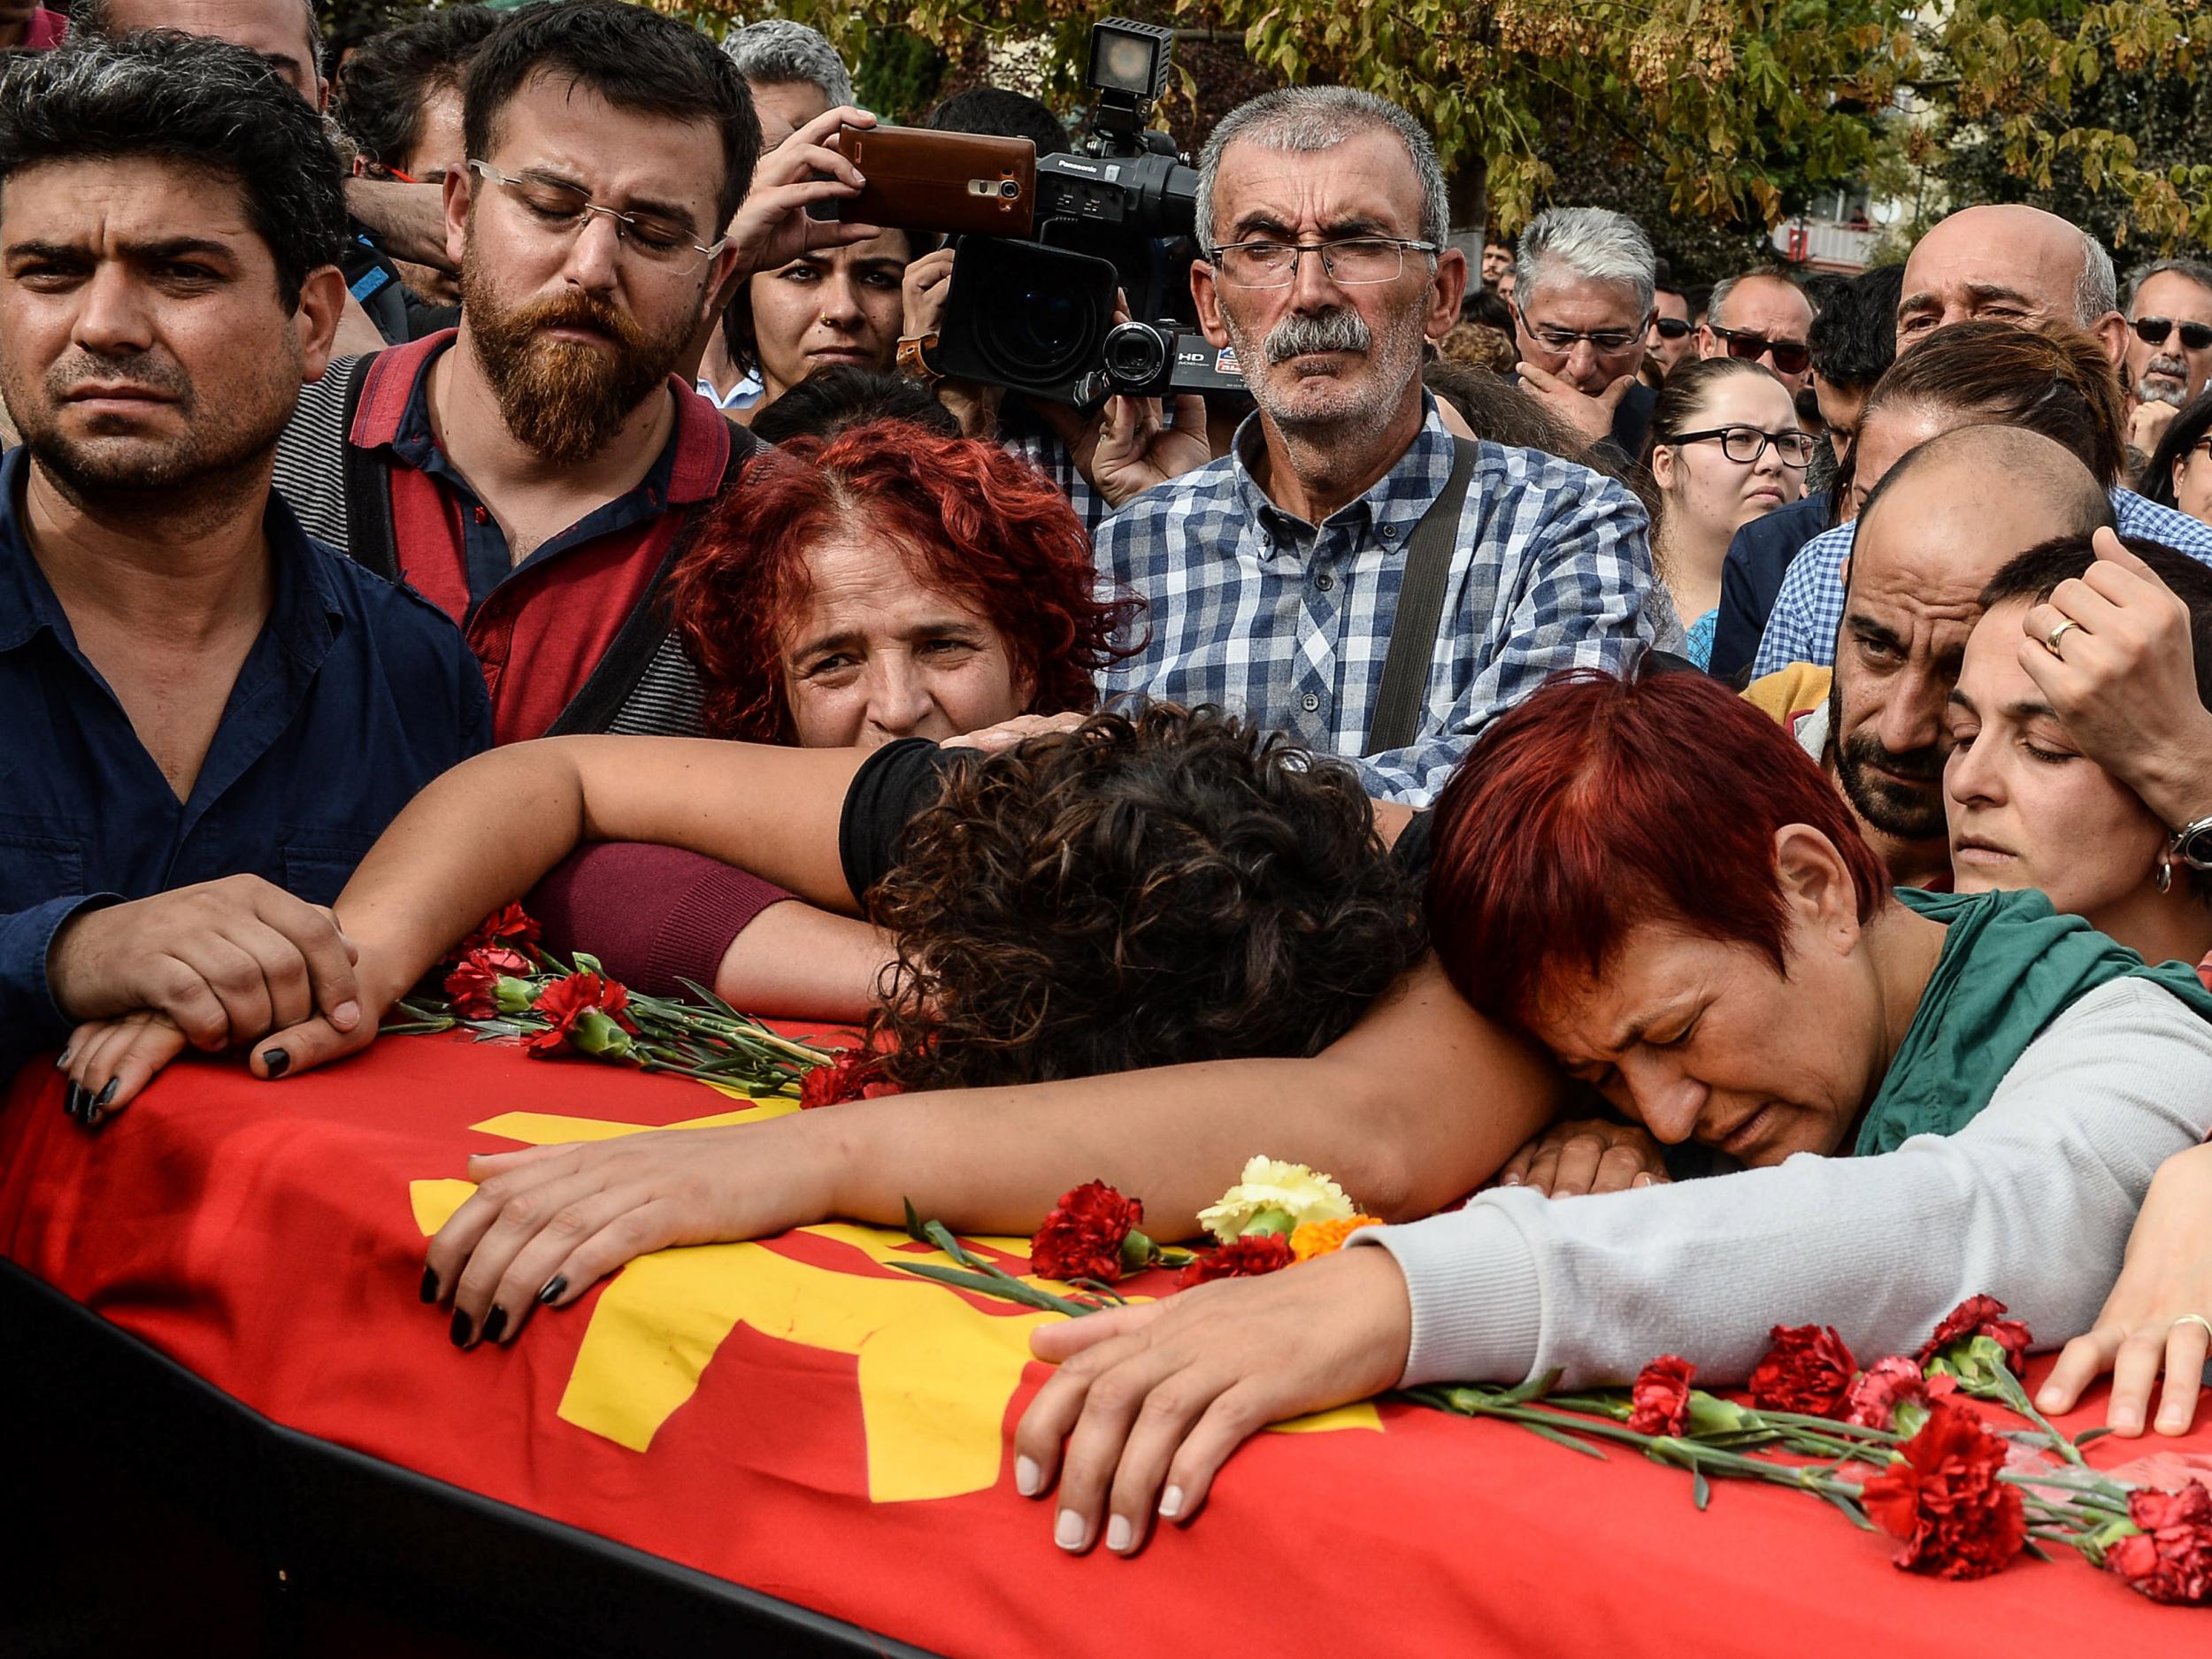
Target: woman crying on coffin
x=1649 y=878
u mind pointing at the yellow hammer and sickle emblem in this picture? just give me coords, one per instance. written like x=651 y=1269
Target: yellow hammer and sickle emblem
x=936 y=1372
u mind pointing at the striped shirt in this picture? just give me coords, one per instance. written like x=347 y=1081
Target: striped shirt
x=1808 y=609
x=1290 y=622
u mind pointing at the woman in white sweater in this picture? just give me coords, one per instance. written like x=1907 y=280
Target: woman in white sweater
x=1649 y=879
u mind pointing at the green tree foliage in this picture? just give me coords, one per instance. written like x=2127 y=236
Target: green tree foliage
x=1733 y=111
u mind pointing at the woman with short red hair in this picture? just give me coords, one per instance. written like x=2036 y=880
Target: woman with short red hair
x=1650 y=879
x=888 y=584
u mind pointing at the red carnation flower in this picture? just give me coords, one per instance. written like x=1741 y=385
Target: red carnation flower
x=1944 y=1499
x=1243 y=1258
x=567 y=1001
x=510 y=924
x=1083 y=1236
x=1888 y=1384
x=1808 y=1370
x=1661 y=1397
x=851 y=1074
x=2172 y=1559
x=1982 y=1316
x=473 y=985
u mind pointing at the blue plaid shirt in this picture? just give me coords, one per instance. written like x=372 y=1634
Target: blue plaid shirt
x=1808 y=609
x=1290 y=622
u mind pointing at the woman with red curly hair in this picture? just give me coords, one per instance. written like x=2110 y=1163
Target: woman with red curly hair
x=890 y=583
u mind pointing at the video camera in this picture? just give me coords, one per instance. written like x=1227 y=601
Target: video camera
x=1030 y=305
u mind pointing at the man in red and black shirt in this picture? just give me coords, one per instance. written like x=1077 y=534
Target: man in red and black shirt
x=537 y=472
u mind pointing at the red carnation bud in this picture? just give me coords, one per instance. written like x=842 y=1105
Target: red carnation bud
x=1083 y=1236
x=1982 y=1316
x=1943 y=1498
x=849 y=1074
x=569 y=1004
x=1661 y=1397
x=1808 y=1370
x=1244 y=1258
x=2170 y=1559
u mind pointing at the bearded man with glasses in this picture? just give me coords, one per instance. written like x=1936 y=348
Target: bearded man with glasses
x=1349 y=572
x=537 y=472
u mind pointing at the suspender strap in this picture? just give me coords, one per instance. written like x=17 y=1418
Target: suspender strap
x=1428 y=572
x=371 y=538
x=594 y=708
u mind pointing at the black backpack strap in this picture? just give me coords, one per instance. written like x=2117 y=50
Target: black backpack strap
x=1421 y=588
x=370 y=537
x=595 y=707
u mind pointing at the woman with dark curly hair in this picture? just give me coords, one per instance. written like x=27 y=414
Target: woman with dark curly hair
x=1175 y=890
x=890 y=583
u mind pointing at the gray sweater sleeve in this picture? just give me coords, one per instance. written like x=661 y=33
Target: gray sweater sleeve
x=2031 y=1201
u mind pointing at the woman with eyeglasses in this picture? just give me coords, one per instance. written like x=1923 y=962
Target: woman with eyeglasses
x=1725 y=448
x=2180 y=473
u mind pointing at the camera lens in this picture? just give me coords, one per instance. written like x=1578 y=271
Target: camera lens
x=1046 y=330
x=1136 y=355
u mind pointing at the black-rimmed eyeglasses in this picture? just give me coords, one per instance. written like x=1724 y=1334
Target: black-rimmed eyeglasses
x=1746 y=444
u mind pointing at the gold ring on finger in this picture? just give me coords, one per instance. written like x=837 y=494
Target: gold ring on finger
x=2051 y=639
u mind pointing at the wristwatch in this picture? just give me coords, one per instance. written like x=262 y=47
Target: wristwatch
x=913 y=358
x=2191 y=845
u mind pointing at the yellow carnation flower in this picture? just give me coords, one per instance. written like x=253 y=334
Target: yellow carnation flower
x=1325 y=1237
x=1275 y=1197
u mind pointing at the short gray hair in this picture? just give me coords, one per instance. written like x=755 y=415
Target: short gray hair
x=2096 y=290
x=1728 y=285
x=776 y=51
x=1308 y=119
x=2196 y=269
x=1593 y=242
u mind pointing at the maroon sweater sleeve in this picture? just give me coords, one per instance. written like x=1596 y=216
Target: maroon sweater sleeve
x=654 y=915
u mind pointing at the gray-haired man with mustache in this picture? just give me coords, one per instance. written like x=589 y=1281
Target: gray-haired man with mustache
x=1274 y=576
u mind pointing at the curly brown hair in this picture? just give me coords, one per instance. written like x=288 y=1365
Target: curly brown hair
x=1146 y=889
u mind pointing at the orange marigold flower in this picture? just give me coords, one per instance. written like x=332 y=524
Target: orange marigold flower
x=1324 y=1238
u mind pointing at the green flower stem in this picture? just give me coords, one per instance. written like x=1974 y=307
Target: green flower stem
x=2016 y=1397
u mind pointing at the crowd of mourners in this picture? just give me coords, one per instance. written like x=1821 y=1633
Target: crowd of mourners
x=1725 y=777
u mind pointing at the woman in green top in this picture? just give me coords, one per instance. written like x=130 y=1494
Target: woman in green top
x=1650 y=879
x=2034 y=803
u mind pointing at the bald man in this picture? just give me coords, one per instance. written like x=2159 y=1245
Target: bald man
x=2010 y=264
x=1930 y=537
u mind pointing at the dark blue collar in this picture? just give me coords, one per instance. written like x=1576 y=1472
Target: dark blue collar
x=305 y=613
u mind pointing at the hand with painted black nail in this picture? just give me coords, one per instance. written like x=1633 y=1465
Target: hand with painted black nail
x=224 y=962
x=1151 y=1401
x=545 y=1223
x=109 y=1061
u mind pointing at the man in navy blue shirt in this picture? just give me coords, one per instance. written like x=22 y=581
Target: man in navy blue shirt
x=210 y=716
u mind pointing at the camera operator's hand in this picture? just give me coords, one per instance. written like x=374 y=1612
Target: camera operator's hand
x=1128 y=446
x=771 y=227
x=924 y=289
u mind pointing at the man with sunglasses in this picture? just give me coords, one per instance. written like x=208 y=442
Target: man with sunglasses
x=1673 y=335
x=1277 y=577
x=537 y=472
x=1582 y=311
x=2169 y=344
x=1760 y=316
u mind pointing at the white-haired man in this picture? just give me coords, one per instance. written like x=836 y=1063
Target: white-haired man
x=1274 y=575
x=1582 y=311
x=793 y=71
